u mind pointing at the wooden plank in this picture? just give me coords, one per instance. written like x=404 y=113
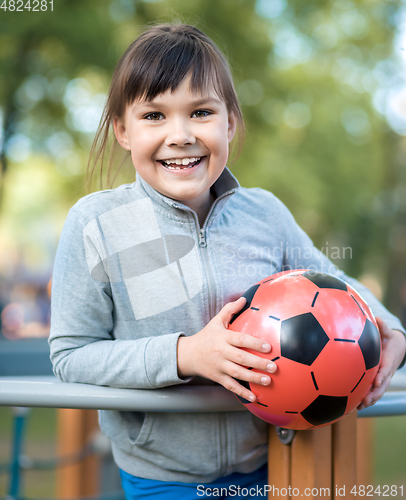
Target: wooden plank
x=311 y=463
x=344 y=440
x=323 y=463
x=365 y=450
x=78 y=479
x=279 y=460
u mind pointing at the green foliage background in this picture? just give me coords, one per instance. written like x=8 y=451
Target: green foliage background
x=305 y=72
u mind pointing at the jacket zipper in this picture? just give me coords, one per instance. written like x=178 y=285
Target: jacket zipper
x=205 y=257
x=208 y=272
x=212 y=310
x=201 y=232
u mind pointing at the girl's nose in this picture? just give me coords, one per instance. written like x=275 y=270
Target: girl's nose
x=179 y=134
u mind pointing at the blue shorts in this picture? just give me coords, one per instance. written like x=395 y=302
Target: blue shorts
x=248 y=486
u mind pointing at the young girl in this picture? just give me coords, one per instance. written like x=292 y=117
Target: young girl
x=147 y=276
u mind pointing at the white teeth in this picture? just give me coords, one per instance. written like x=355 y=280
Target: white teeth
x=179 y=161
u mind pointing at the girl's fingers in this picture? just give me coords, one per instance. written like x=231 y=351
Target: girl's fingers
x=228 y=311
x=233 y=307
x=234 y=386
x=247 y=375
x=240 y=357
x=384 y=329
x=392 y=352
x=382 y=376
x=242 y=340
x=230 y=364
x=239 y=339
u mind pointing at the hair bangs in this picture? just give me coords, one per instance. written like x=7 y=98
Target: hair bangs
x=160 y=69
x=163 y=68
x=205 y=77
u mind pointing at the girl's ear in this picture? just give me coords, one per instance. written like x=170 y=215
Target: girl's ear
x=121 y=133
x=232 y=125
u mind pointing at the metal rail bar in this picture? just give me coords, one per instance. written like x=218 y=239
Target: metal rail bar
x=391 y=404
x=49 y=392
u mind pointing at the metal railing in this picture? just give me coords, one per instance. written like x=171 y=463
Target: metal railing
x=49 y=392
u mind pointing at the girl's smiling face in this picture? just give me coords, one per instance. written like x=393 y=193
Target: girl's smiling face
x=179 y=142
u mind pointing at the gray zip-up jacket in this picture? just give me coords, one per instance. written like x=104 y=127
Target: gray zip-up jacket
x=133 y=272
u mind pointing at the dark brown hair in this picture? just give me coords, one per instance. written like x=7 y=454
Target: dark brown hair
x=155 y=62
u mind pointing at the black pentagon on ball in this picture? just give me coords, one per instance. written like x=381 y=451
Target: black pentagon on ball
x=325 y=409
x=370 y=344
x=325 y=280
x=302 y=338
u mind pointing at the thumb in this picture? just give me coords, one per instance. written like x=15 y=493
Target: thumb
x=384 y=329
x=230 y=309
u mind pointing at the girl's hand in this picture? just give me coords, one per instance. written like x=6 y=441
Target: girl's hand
x=214 y=353
x=393 y=351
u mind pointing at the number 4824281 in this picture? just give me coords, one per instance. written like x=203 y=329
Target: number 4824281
x=30 y=5
x=377 y=491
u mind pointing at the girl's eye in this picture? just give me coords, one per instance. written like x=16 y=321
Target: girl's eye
x=154 y=116
x=201 y=113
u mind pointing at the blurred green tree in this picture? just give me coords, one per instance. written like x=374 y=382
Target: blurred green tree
x=309 y=77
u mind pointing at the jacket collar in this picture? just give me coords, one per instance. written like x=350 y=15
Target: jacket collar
x=225 y=186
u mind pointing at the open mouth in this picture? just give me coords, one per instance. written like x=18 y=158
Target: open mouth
x=181 y=163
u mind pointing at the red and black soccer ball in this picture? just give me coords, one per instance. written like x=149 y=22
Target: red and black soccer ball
x=325 y=342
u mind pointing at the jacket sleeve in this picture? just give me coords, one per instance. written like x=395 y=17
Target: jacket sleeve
x=82 y=344
x=300 y=252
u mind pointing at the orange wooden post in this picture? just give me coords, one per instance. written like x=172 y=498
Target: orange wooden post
x=345 y=455
x=311 y=463
x=303 y=468
x=279 y=465
x=365 y=450
x=75 y=427
x=323 y=463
